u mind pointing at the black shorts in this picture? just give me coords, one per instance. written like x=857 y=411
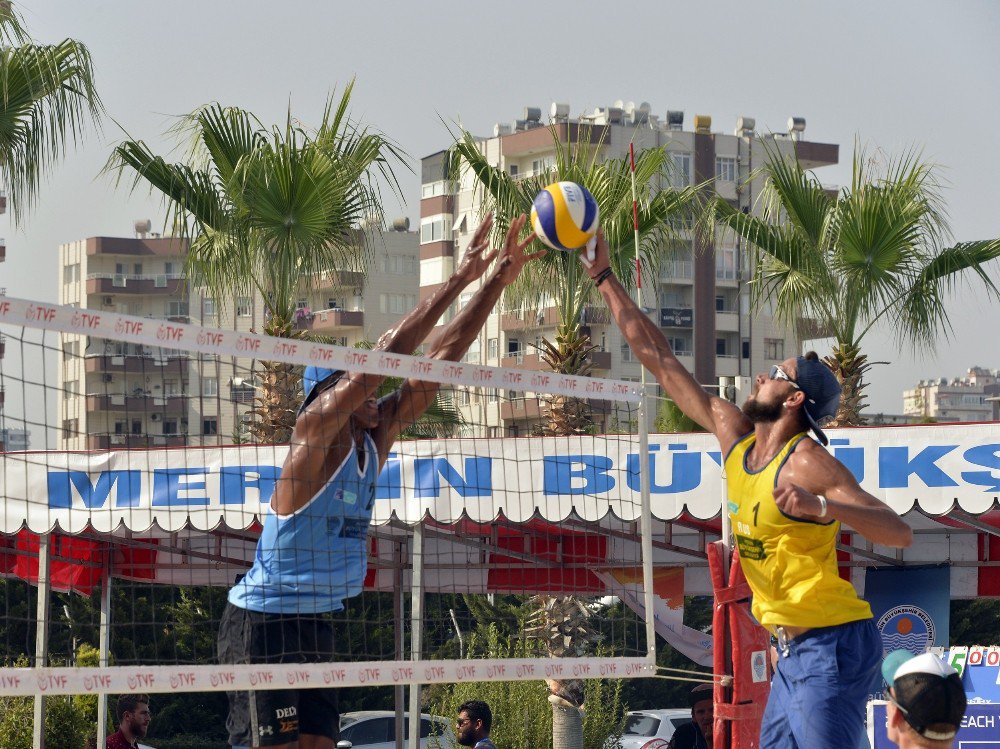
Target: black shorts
x=277 y=716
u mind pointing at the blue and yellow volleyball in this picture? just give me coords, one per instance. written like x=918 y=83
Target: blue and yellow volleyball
x=564 y=216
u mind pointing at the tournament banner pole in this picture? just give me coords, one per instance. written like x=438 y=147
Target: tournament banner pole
x=646 y=525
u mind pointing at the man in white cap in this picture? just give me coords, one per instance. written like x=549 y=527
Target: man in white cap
x=926 y=700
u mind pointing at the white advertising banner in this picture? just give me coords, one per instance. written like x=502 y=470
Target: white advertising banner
x=936 y=467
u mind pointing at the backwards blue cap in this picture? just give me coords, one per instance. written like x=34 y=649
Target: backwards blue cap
x=313 y=376
x=822 y=391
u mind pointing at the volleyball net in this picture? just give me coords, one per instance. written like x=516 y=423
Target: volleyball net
x=507 y=537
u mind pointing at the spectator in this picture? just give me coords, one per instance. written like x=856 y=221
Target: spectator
x=698 y=733
x=473 y=724
x=926 y=700
x=133 y=721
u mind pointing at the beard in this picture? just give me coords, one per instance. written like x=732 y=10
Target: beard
x=762 y=413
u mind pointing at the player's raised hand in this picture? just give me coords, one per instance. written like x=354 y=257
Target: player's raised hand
x=512 y=257
x=595 y=255
x=478 y=255
x=796 y=502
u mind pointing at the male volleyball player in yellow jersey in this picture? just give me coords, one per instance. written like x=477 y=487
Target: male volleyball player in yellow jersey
x=787 y=498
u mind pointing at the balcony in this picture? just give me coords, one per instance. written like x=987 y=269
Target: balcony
x=727 y=321
x=331 y=320
x=520 y=409
x=673 y=270
x=120 y=283
x=548 y=317
x=134 y=441
x=600 y=360
x=337 y=279
x=136 y=364
x=138 y=404
x=3 y=250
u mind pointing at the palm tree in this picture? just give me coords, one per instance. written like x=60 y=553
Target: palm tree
x=557 y=278
x=561 y=623
x=266 y=211
x=874 y=252
x=47 y=95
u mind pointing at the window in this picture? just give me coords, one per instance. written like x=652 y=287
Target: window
x=210 y=387
x=370 y=731
x=725 y=168
x=136 y=427
x=492 y=348
x=69 y=428
x=72 y=386
x=137 y=269
x=177 y=309
x=243 y=307
x=332 y=303
x=168 y=269
x=440 y=187
x=462 y=397
x=721 y=347
x=208 y=307
x=170 y=388
x=435 y=229
x=626 y=353
x=464 y=298
x=397 y=304
x=745 y=348
x=400 y=265
x=119 y=427
x=725 y=263
x=170 y=426
x=542 y=165
x=681 y=346
x=682 y=170
x=71 y=350
x=472 y=355
x=71 y=273
x=774 y=349
x=241 y=391
x=512 y=170
x=210 y=426
x=301 y=304
x=513 y=347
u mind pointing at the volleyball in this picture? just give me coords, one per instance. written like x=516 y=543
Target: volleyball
x=564 y=216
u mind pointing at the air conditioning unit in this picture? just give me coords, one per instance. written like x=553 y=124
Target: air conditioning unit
x=108 y=378
x=155 y=417
x=734 y=389
x=108 y=301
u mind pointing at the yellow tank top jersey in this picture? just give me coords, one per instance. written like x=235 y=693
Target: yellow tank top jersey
x=790 y=564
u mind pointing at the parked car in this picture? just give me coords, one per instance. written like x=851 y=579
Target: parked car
x=376 y=729
x=652 y=729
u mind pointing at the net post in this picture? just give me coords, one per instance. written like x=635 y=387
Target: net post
x=41 y=634
x=104 y=647
x=416 y=626
x=399 y=695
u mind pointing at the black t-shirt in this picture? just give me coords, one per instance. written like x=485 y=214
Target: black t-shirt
x=688 y=736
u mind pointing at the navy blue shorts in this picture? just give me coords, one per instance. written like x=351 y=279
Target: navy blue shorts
x=821 y=687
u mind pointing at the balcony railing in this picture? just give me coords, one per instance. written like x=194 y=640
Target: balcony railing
x=677 y=269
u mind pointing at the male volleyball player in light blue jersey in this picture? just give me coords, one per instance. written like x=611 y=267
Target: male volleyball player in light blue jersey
x=787 y=497
x=312 y=553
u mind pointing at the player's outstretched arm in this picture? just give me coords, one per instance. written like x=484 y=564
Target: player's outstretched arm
x=716 y=415
x=411 y=331
x=811 y=472
x=406 y=405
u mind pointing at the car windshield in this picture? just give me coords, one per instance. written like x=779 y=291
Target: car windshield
x=641 y=725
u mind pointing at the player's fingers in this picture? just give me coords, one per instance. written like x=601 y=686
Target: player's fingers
x=492 y=256
x=527 y=240
x=533 y=255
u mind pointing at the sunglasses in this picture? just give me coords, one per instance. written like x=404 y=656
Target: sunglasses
x=777 y=373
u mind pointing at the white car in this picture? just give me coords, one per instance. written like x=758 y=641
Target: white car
x=652 y=729
x=376 y=729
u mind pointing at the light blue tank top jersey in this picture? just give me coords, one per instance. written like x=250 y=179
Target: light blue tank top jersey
x=311 y=561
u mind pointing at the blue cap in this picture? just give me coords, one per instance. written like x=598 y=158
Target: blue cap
x=313 y=376
x=892 y=662
x=822 y=391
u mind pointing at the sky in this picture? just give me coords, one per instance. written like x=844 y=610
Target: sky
x=890 y=75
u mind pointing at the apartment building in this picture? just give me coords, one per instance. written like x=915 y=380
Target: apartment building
x=975 y=397
x=115 y=394
x=700 y=299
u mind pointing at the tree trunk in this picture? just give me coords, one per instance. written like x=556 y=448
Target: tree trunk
x=278 y=398
x=850 y=366
x=567 y=727
x=570 y=354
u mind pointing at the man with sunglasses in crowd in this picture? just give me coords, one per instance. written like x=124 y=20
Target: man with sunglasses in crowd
x=787 y=499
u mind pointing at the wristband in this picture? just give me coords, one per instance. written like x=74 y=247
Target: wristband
x=603 y=276
x=822 y=505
